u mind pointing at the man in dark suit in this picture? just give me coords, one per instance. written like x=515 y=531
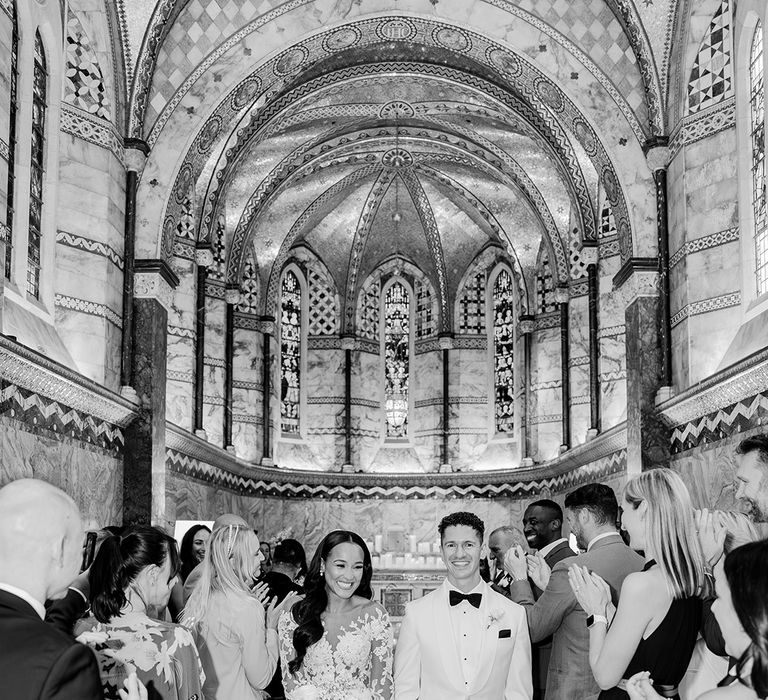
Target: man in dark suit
x=287 y=560
x=543 y=530
x=40 y=548
x=592 y=514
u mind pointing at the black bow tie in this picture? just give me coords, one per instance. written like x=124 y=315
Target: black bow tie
x=454 y=598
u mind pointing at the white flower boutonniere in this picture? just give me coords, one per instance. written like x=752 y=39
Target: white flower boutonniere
x=493 y=617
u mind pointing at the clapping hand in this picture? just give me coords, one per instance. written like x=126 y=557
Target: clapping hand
x=515 y=563
x=711 y=534
x=640 y=687
x=134 y=689
x=274 y=610
x=591 y=591
x=538 y=570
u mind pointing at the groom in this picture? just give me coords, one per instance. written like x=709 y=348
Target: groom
x=463 y=641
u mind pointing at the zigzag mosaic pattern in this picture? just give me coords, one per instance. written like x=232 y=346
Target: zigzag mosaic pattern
x=40 y=414
x=711 y=78
x=457 y=485
x=720 y=424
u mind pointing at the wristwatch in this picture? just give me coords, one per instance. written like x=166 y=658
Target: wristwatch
x=594 y=619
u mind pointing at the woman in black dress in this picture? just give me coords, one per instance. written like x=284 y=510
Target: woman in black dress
x=659 y=614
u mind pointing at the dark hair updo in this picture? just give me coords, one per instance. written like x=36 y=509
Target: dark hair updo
x=307 y=611
x=119 y=562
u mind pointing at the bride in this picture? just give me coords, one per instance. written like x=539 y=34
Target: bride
x=336 y=643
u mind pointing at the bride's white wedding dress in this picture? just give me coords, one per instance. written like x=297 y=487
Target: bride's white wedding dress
x=352 y=660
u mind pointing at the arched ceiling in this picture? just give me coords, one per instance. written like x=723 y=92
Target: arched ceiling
x=369 y=136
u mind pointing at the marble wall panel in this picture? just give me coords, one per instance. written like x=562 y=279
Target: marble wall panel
x=213 y=405
x=324 y=373
x=426 y=421
x=215 y=324
x=367 y=420
x=247 y=426
x=91 y=477
x=613 y=383
x=180 y=404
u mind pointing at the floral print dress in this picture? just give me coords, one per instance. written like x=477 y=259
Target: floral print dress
x=162 y=654
x=352 y=660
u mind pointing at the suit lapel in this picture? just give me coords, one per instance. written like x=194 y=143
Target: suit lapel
x=446 y=641
x=489 y=639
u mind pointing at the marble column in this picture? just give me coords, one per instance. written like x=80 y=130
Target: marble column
x=647 y=435
x=526 y=327
x=204 y=260
x=589 y=255
x=658 y=156
x=144 y=460
x=446 y=345
x=136 y=152
x=232 y=297
x=561 y=297
x=347 y=345
x=268 y=331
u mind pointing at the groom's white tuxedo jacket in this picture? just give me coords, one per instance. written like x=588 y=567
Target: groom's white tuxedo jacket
x=427 y=664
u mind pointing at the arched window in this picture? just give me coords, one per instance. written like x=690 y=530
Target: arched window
x=12 y=109
x=39 y=101
x=504 y=353
x=397 y=308
x=290 y=353
x=757 y=132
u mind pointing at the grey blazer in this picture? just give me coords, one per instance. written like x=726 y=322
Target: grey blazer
x=558 y=614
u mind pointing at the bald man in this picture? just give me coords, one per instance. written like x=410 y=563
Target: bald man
x=41 y=538
x=194 y=575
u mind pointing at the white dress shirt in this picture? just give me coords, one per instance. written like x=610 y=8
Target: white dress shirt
x=467 y=624
x=546 y=550
x=26 y=597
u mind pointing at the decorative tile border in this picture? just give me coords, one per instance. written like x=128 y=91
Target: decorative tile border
x=213 y=400
x=324 y=400
x=89 y=307
x=5 y=231
x=365 y=403
x=720 y=424
x=586 y=463
x=72 y=240
x=180 y=376
x=617 y=376
x=99 y=132
x=725 y=389
x=729 y=235
x=252 y=386
x=612 y=331
x=181 y=332
x=547 y=321
x=608 y=247
x=325 y=343
x=5 y=152
x=214 y=361
x=247 y=418
x=214 y=290
x=702 y=124
x=578 y=361
x=246 y=322
x=554 y=384
x=470 y=342
x=40 y=414
x=724 y=301
x=547 y=418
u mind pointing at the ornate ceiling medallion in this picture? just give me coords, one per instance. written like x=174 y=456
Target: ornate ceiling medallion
x=453 y=39
x=344 y=38
x=399 y=29
x=396 y=110
x=397 y=158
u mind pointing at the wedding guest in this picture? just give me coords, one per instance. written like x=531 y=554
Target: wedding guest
x=336 y=643
x=659 y=612
x=543 y=530
x=752 y=476
x=194 y=576
x=40 y=548
x=741 y=608
x=266 y=552
x=192 y=550
x=463 y=640
x=131 y=575
x=592 y=512
x=236 y=638
x=281 y=580
x=499 y=541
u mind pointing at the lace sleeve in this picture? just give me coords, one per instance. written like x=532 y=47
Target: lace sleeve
x=382 y=649
x=285 y=628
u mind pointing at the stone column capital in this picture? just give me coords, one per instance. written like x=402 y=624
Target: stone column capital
x=204 y=257
x=527 y=324
x=348 y=342
x=637 y=278
x=561 y=295
x=588 y=253
x=232 y=296
x=445 y=342
x=657 y=153
x=267 y=325
x=154 y=279
x=135 y=154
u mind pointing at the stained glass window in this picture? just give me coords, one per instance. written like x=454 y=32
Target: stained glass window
x=290 y=353
x=14 y=79
x=757 y=130
x=396 y=359
x=39 y=98
x=503 y=352
x=545 y=289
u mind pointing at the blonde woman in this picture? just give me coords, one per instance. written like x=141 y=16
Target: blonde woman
x=659 y=613
x=236 y=637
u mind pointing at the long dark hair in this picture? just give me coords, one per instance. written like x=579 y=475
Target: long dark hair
x=746 y=570
x=307 y=611
x=185 y=551
x=119 y=562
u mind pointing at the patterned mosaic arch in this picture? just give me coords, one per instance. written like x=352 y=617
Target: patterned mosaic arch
x=305 y=157
x=166 y=11
x=550 y=131
x=533 y=87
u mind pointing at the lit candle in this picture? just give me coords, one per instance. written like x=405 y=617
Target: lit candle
x=378 y=543
x=412 y=543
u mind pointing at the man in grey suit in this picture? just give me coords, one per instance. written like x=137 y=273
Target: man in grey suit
x=592 y=514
